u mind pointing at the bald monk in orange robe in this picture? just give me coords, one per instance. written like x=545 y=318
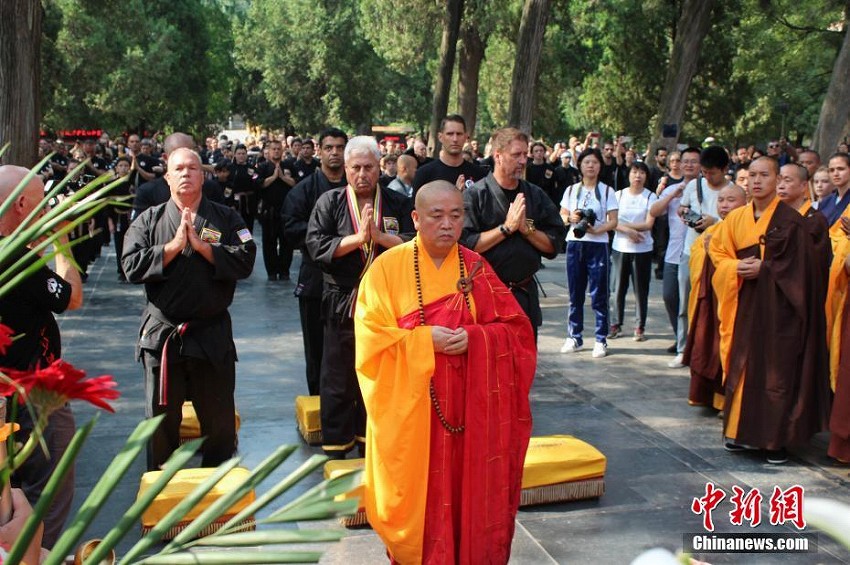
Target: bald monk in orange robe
x=771 y=272
x=445 y=360
x=702 y=351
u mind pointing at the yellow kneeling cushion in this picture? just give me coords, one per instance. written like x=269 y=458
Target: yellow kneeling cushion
x=190 y=427
x=559 y=459
x=561 y=468
x=309 y=418
x=335 y=468
x=184 y=482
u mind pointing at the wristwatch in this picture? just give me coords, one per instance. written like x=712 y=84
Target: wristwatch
x=505 y=231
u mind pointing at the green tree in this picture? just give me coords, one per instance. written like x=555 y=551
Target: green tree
x=788 y=74
x=139 y=64
x=311 y=63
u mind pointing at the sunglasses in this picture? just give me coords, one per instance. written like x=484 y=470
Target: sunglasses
x=773 y=146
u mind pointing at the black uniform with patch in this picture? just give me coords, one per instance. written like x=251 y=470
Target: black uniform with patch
x=192 y=291
x=343 y=413
x=515 y=260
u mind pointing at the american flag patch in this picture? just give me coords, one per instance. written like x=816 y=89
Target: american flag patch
x=244 y=235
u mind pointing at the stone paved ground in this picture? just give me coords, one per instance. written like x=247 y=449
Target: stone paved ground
x=660 y=451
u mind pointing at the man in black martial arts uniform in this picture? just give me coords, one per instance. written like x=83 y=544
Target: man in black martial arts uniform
x=297 y=208
x=348 y=228
x=189 y=252
x=512 y=223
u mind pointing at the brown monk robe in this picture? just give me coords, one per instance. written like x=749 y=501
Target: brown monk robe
x=702 y=351
x=838 y=312
x=773 y=341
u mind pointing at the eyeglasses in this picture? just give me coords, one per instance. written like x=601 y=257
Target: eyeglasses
x=773 y=145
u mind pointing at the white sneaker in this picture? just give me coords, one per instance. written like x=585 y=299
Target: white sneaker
x=677 y=362
x=599 y=350
x=571 y=345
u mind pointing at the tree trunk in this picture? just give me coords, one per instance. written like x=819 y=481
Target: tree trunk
x=691 y=29
x=835 y=113
x=20 y=79
x=535 y=14
x=469 y=69
x=448 y=49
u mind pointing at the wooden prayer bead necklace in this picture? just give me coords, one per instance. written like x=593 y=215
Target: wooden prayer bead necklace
x=464 y=284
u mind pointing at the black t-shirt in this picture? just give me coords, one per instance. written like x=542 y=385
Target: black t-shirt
x=147 y=164
x=543 y=175
x=437 y=170
x=28 y=310
x=302 y=169
x=274 y=194
x=62 y=161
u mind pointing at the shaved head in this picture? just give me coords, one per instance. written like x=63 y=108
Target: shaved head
x=180 y=151
x=25 y=202
x=770 y=161
x=177 y=140
x=432 y=191
x=730 y=197
x=438 y=217
x=408 y=161
x=406 y=167
x=793 y=185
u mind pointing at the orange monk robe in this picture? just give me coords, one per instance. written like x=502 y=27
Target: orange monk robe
x=740 y=231
x=836 y=234
x=696 y=264
x=838 y=334
x=835 y=299
x=805 y=208
x=395 y=362
x=772 y=329
x=701 y=353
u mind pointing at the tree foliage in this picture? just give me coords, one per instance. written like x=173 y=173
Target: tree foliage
x=303 y=64
x=137 y=64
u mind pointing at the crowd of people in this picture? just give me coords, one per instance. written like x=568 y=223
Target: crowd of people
x=751 y=247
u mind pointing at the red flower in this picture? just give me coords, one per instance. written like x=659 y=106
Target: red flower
x=6 y=334
x=49 y=388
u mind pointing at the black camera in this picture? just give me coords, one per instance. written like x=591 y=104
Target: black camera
x=587 y=218
x=691 y=218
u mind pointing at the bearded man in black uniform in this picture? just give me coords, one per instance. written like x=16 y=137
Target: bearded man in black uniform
x=512 y=222
x=189 y=253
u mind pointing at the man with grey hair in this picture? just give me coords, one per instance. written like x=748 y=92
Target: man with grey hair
x=348 y=228
x=189 y=252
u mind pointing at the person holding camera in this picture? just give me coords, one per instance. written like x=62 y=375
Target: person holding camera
x=590 y=209
x=631 y=256
x=698 y=211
